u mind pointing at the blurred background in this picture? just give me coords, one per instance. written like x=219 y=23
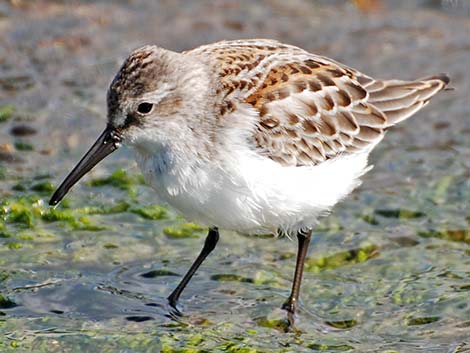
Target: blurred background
x=388 y=271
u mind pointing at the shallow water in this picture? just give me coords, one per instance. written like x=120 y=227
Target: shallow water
x=388 y=271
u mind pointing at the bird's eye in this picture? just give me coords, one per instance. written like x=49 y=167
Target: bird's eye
x=144 y=108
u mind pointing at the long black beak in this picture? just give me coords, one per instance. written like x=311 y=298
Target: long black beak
x=108 y=142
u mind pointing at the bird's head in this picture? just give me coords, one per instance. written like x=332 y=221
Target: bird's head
x=157 y=97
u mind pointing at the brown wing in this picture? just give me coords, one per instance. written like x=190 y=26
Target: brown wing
x=312 y=110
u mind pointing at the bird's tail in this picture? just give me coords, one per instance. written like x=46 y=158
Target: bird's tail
x=398 y=100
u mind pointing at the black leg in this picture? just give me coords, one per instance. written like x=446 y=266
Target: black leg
x=209 y=245
x=291 y=303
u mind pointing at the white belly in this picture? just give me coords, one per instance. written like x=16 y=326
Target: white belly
x=252 y=194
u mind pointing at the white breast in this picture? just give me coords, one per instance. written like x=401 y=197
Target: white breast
x=253 y=194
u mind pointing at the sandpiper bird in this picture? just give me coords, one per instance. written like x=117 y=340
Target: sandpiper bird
x=254 y=136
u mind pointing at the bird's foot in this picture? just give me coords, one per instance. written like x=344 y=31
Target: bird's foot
x=290 y=306
x=173 y=311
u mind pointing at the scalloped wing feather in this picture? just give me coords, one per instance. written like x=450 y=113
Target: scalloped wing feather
x=317 y=116
x=311 y=108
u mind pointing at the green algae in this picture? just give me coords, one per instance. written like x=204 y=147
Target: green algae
x=120 y=179
x=342 y=324
x=29 y=210
x=4 y=276
x=414 y=321
x=57 y=215
x=19 y=187
x=235 y=347
x=23 y=146
x=399 y=213
x=88 y=341
x=158 y=273
x=185 y=230
x=6 y=112
x=277 y=324
x=76 y=218
x=4 y=234
x=152 y=212
x=456 y=235
x=14 y=245
x=110 y=246
x=198 y=343
x=21 y=212
x=43 y=187
x=370 y=218
x=231 y=278
x=84 y=223
x=324 y=347
x=6 y=303
x=342 y=258
x=119 y=207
